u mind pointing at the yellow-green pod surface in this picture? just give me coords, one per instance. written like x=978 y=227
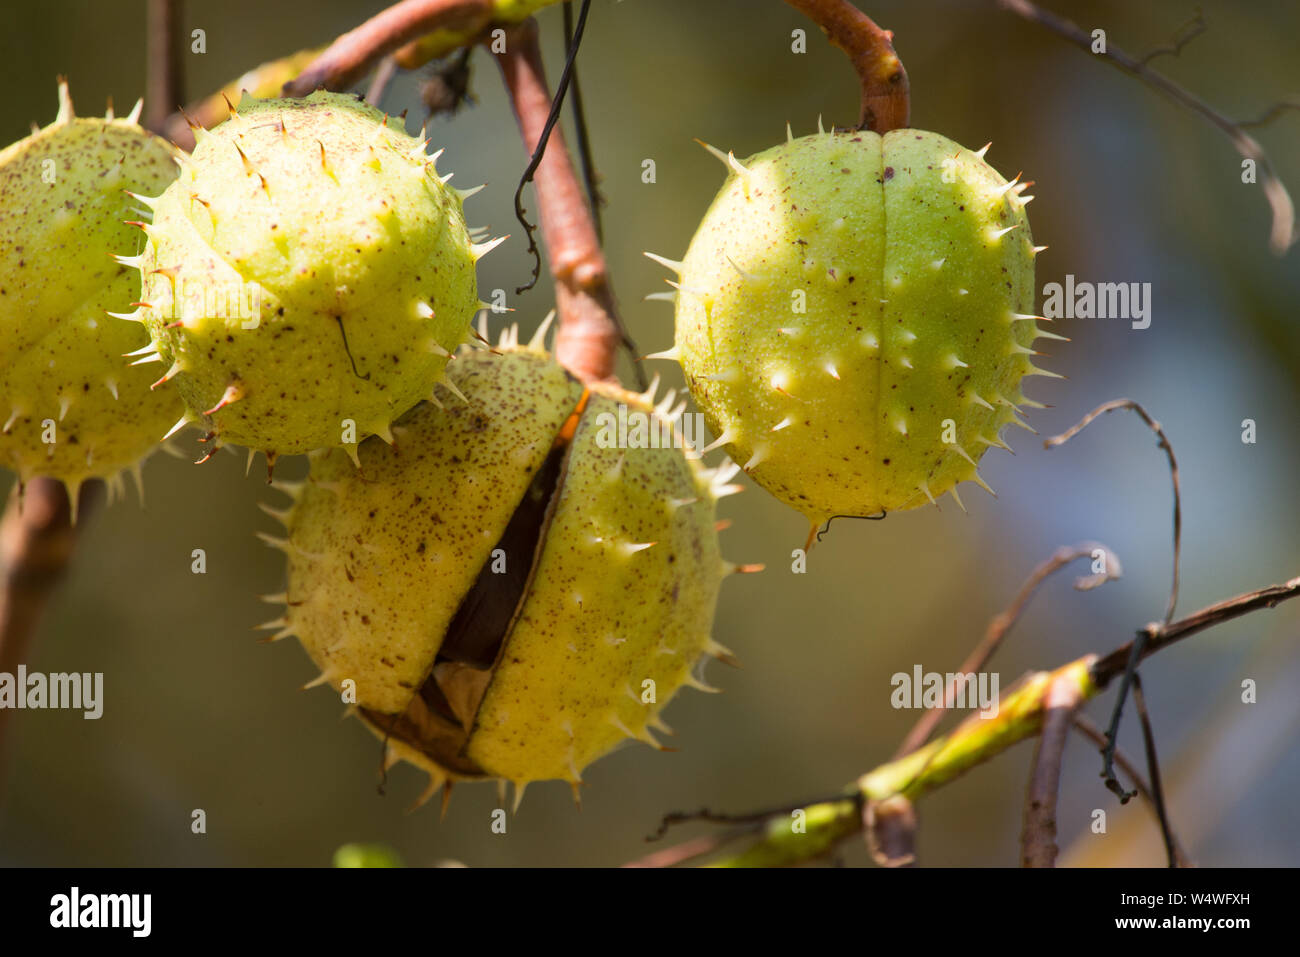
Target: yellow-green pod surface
x=381 y=558
x=307 y=275
x=72 y=407
x=619 y=609
x=507 y=591
x=855 y=318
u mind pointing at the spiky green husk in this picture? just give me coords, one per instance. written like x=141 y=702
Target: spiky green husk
x=63 y=203
x=854 y=318
x=307 y=275
x=623 y=593
x=381 y=558
x=623 y=590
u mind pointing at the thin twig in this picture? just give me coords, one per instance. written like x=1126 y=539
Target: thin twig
x=589 y=334
x=1185 y=34
x=164 y=77
x=1163 y=442
x=1153 y=768
x=675 y=818
x=384 y=74
x=975 y=742
x=590 y=179
x=1038 y=839
x=1130 y=673
x=351 y=56
x=1083 y=724
x=691 y=850
x=539 y=146
x=1159 y=636
x=885 y=97
x=580 y=129
x=1272 y=113
x=1282 y=234
x=1002 y=623
x=1124 y=661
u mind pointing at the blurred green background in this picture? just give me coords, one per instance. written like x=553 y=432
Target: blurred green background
x=1130 y=189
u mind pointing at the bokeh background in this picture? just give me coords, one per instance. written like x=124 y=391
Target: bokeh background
x=1129 y=188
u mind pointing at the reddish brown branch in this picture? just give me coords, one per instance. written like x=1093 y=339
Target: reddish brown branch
x=1038 y=839
x=36 y=543
x=164 y=77
x=37 y=534
x=689 y=850
x=885 y=94
x=352 y=55
x=589 y=335
x=384 y=74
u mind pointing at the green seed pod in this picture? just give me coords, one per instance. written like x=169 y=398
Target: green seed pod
x=75 y=408
x=307 y=276
x=506 y=593
x=854 y=318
